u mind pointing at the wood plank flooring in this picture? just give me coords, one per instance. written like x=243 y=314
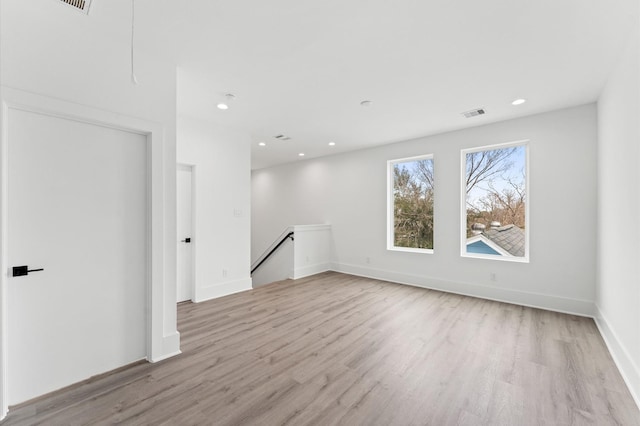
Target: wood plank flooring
x=337 y=349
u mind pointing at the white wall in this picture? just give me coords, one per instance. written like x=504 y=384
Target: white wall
x=59 y=53
x=222 y=161
x=311 y=250
x=4 y=402
x=302 y=192
x=309 y=253
x=618 y=289
x=349 y=191
x=278 y=267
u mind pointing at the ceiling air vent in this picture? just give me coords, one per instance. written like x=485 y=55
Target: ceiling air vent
x=473 y=112
x=82 y=5
x=282 y=137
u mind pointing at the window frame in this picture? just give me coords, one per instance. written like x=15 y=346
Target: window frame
x=463 y=202
x=391 y=205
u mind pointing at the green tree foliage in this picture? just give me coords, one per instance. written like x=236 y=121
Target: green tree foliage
x=413 y=204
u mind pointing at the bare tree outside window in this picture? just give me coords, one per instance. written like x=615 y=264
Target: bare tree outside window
x=411 y=203
x=495 y=202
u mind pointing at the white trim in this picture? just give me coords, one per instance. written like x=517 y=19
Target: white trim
x=411 y=250
x=463 y=203
x=194 y=241
x=523 y=298
x=308 y=270
x=624 y=361
x=310 y=228
x=159 y=345
x=170 y=343
x=391 y=202
x=163 y=357
x=4 y=406
x=222 y=289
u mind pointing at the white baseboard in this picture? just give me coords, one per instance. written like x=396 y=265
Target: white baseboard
x=163 y=357
x=309 y=270
x=535 y=300
x=169 y=346
x=624 y=361
x=222 y=289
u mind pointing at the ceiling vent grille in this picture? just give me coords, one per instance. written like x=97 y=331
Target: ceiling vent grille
x=473 y=113
x=82 y=5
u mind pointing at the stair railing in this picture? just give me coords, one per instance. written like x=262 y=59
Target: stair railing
x=288 y=233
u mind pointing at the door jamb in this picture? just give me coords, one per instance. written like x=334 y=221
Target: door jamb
x=194 y=241
x=160 y=344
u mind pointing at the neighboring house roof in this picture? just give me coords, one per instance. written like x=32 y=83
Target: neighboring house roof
x=481 y=247
x=509 y=237
x=480 y=244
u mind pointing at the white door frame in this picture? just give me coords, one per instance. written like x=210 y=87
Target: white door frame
x=194 y=241
x=160 y=345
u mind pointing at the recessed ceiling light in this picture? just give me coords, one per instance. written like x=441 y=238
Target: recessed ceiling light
x=366 y=103
x=262 y=144
x=518 y=102
x=332 y=143
x=301 y=154
x=228 y=98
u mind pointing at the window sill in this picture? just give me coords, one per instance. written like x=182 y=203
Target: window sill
x=496 y=257
x=411 y=250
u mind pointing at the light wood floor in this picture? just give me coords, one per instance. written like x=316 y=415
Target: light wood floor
x=337 y=349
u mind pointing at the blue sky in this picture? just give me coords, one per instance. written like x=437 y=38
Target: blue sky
x=518 y=167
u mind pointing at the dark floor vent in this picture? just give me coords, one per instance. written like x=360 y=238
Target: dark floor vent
x=82 y=5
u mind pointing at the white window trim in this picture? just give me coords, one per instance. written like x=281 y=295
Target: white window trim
x=463 y=203
x=390 y=205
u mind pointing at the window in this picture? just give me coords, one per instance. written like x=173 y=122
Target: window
x=495 y=209
x=410 y=204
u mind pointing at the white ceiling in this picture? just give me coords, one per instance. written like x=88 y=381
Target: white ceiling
x=301 y=67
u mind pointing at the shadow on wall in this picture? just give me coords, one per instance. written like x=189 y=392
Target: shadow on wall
x=307 y=253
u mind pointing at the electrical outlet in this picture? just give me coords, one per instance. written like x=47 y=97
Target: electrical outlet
x=224 y=273
x=237 y=212
x=367 y=260
x=492 y=276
